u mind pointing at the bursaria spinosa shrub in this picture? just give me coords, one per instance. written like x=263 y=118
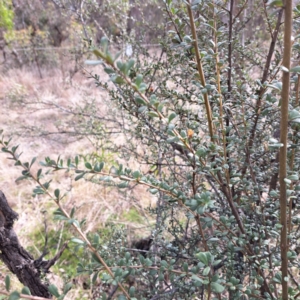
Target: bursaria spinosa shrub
x=206 y=109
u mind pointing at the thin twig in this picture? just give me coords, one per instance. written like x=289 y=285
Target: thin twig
x=24 y=296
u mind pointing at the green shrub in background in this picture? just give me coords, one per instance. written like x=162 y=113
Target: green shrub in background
x=207 y=113
x=6 y=14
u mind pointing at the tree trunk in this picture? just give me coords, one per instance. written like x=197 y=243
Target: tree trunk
x=15 y=257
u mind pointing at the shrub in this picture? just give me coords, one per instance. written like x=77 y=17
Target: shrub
x=209 y=129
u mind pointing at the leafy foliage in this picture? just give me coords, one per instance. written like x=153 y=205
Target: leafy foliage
x=6 y=14
x=209 y=131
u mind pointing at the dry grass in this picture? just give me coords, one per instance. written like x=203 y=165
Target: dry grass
x=24 y=116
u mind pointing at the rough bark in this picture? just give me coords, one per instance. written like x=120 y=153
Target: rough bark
x=16 y=258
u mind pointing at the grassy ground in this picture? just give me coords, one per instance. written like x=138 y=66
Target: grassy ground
x=33 y=110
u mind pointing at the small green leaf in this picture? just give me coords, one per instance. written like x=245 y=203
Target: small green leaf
x=18 y=163
x=47 y=184
x=130 y=64
x=142 y=109
x=203 y=258
x=121 y=66
x=294 y=116
x=201 y=152
x=139 y=100
x=96 y=239
x=142 y=259
x=32 y=161
x=206 y=271
x=53 y=290
x=136 y=174
x=21 y=178
x=76 y=161
x=7 y=283
x=131 y=291
x=138 y=80
x=39 y=173
x=109 y=71
x=98 y=53
x=56 y=193
x=118 y=55
x=277 y=278
x=58 y=212
x=117 y=79
x=172 y=140
x=67 y=287
x=73 y=221
x=72 y=212
x=25 y=291
x=275 y=85
x=109 y=59
x=98 y=167
x=217 y=288
x=14 y=149
x=293 y=177
x=160 y=107
x=14 y=296
x=127 y=256
x=277 y=145
x=284 y=69
x=196 y=278
x=123 y=185
x=88 y=166
x=95 y=276
x=142 y=87
x=183 y=133
x=77 y=241
x=104 y=42
x=79 y=176
x=153 y=114
x=287 y=181
x=153 y=191
x=295 y=69
x=38 y=191
x=171 y=117
x=297 y=188
x=185 y=267
x=96 y=258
